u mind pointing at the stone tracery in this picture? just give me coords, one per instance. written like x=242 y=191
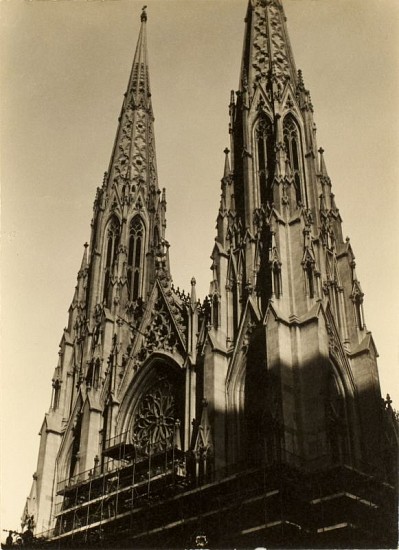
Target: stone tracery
x=154 y=421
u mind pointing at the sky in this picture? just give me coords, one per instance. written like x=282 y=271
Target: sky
x=64 y=70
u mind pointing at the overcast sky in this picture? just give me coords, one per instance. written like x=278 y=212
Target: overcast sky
x=65 y=66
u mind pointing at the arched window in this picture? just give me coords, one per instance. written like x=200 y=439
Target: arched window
x=292 y=141
x=359 y=314
x=215 y=311
x=93 y=374
x=310 y=279
x=232 y=288
x=265 y=148
x=111 y=249
x=357 y=297
x=277 y=280
x=134 y=258
x=56 y=394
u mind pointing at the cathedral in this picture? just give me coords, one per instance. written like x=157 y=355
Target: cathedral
x=252 y=417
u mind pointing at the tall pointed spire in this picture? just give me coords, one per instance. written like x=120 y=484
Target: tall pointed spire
x=129 y=214
x=133 y=158
x=139 y=82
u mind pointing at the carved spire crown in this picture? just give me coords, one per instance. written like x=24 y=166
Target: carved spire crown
x=267 y=55
x=133 y=158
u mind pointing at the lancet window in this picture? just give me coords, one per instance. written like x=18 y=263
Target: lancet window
x=111 y=249
x=93 y=374
x=265 y=148
x=277 y=287
x=309 y=271
x=241 y=279
x=359 y=313
x=292 y=141
x=215 y=311
x=310 y=279
x=56 y=395
x=135 y=257
x=232 y=289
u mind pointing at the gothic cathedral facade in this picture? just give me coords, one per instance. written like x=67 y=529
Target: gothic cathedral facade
x=253 y=417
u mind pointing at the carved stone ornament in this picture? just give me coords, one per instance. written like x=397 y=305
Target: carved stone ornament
x=154 y=422
x=261 y=61
x=333 y=344
x=159 y=334
x=80 y=327
x=247 y=336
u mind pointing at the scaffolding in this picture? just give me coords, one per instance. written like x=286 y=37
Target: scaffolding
x=128 y=477
x=154 y=499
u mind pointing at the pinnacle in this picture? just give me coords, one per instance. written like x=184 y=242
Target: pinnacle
x=193 y=291
x=301 y=83
x=323 y=168
x=83 y=265
x=226 y=163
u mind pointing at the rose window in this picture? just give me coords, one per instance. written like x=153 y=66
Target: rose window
x=154 y=422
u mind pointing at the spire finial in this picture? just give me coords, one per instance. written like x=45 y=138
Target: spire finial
x=143 y=13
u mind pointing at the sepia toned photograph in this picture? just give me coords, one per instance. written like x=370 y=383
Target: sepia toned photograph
x=199 y=239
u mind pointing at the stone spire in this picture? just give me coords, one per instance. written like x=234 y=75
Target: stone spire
x=128 y=227
x=268 y=57
x=133 y=158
